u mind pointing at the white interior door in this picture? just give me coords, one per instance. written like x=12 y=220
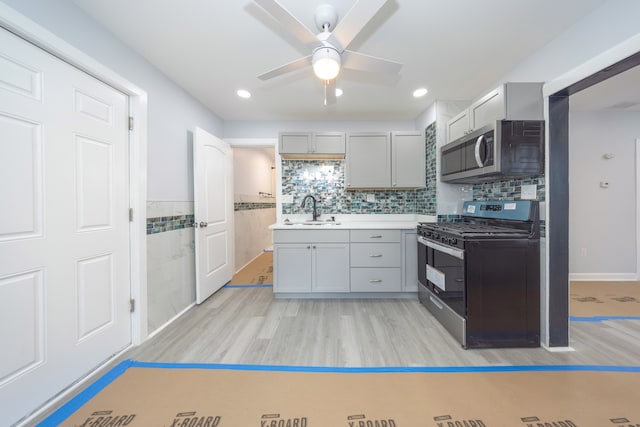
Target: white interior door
x=213 y=211
x=64 y=229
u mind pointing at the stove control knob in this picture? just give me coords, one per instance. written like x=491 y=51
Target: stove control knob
x=453 y=241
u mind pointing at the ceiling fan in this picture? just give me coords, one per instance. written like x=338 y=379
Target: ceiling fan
x=328 y=48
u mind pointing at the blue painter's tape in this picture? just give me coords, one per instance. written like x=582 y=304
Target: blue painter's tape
x=387 y=369
x=85 y=395
x=266 y=285
x=601 y=318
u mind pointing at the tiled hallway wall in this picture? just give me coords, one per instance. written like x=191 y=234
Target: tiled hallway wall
x=171 y=280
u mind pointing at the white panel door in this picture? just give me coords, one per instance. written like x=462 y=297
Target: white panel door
x=64 y=230
x=213 y=208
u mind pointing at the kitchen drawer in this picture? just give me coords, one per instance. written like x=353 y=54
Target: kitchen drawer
x=376 y=280
x=382 y=236
x=310 y=236
x=448 y=318
x=376 y=255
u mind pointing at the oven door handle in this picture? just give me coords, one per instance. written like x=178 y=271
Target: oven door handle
x=456 y=253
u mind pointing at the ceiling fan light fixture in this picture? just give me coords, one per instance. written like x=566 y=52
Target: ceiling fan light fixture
x=326 y=63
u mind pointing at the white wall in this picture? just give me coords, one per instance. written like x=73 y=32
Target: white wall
x=172 y=112
x=253 y=174
x=602 y=234
x=252 y=171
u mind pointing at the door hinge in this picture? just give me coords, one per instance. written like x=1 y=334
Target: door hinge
x=132 y=305
x=130 y=214
x=130 y=123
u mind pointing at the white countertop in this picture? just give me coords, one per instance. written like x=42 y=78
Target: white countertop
x=348 y=222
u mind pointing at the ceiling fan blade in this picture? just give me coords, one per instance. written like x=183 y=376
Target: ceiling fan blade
x=290 y=22
x=355 y=20
x=330 y=92
x=286 y=68
x=362 y=62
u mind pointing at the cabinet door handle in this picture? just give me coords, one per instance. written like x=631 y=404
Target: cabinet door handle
x=375 y=255
x=308 y=246
x=375 y=280
x=314 y=246
x=376 y=236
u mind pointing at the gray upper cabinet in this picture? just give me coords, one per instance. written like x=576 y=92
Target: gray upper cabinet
x=386 y=160
x=408 y=159
x=312 y=145
x=510 y=101
x=368 y=160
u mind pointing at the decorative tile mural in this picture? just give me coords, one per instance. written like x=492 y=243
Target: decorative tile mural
x=324 y=179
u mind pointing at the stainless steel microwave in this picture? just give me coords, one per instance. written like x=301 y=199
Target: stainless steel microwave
x=507 y=148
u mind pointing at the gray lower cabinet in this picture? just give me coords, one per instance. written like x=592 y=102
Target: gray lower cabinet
x=410 y=261
x=311 y=261
x=338 y=261
x=376 y=280
x=376 y=259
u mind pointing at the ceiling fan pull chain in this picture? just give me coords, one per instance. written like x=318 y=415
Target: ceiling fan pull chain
x=326 y=83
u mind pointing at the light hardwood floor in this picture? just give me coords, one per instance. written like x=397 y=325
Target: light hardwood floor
x=250 y=326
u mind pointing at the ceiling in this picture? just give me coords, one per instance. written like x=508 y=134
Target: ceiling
x=618 y=93
x=454 y=48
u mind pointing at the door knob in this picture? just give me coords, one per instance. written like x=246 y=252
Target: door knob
x=203 y=224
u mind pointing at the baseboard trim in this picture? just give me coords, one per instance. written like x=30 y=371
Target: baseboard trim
x=170 y=321
x=558 y=349
x=603 y=277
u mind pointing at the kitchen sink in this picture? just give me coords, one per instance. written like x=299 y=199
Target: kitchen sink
x=316 y=223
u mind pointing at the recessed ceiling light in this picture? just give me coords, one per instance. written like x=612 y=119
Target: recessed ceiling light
x=243 y=93
x=419 y=92
x=338 y=91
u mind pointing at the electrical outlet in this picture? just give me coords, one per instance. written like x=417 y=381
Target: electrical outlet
x=583 y=251
x=371 y=197
x=287 y=198
x=529 y=192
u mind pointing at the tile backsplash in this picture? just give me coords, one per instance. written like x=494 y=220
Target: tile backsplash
x=324 y=179
x=508 y=189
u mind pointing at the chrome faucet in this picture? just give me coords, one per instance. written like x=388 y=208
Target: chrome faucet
x=315 y=211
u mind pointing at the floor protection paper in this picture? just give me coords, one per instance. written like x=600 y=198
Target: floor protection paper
x=178 y=395
x=604 y=299
x=257 y=272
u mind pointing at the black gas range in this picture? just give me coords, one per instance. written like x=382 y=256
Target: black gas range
x=480 y=277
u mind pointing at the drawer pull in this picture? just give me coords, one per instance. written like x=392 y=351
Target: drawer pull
x=375 y=280
x=376 y=236
x=375 y=255
x=436 y=302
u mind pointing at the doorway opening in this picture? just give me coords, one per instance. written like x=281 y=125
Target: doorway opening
x=558 y=198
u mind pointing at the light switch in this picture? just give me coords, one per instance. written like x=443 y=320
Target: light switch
x=371 y=197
